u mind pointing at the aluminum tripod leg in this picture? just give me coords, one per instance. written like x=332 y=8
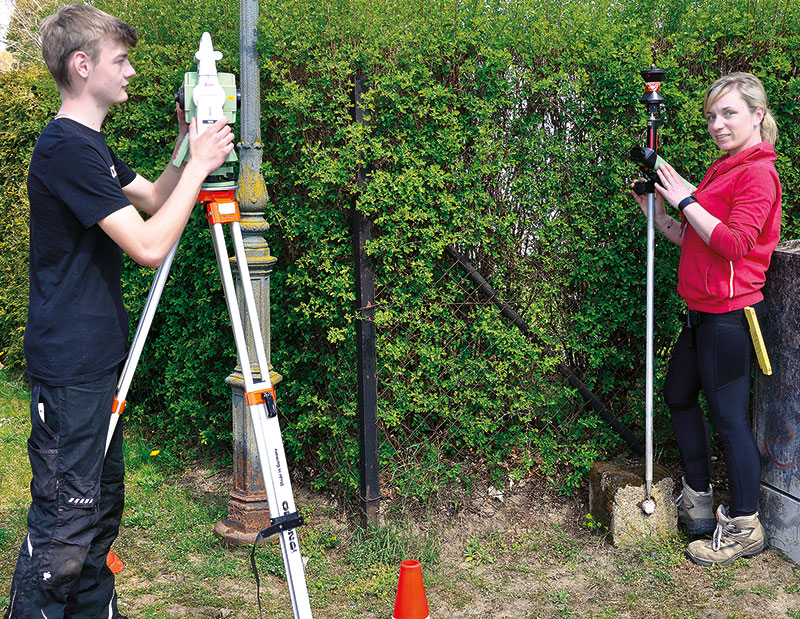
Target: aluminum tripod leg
x=263 y=413
x=145 y=321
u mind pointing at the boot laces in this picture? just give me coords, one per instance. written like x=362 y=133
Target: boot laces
x=681 y=502
x=722 y=530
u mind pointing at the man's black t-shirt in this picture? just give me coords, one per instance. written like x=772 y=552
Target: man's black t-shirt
x=77 y=324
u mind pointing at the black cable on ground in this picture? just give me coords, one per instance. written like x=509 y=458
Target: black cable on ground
x=514 y=318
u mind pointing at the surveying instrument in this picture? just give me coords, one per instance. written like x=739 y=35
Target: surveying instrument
x=647 y=158
x=208 y=96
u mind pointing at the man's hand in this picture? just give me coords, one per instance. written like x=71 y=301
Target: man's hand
x=210 y=148
x=183 y=126
x=148 y=242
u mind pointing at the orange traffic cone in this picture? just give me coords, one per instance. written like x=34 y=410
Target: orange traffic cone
x=410 y=602
x=114 y=563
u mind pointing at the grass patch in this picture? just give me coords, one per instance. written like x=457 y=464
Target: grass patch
x=722 y=577
x=15 y=474
x=390 y=544
x=175 y=567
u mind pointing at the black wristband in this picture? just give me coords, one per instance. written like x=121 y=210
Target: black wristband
x=685 y=202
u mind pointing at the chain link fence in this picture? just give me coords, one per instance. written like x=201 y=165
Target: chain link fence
x=477 y=389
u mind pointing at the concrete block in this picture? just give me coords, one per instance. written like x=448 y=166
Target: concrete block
x=780 y=515
x=616 y=490
x=776 y=406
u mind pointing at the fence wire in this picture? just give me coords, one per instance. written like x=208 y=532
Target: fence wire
x=467 y=400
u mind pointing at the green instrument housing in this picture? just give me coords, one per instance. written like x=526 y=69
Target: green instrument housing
x=224 y=176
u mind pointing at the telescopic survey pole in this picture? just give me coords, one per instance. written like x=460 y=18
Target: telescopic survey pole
x=652 y=100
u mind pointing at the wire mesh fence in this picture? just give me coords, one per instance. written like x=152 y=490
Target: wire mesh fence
x=467 y=399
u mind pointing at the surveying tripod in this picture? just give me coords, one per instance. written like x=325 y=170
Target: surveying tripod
x=221 y=209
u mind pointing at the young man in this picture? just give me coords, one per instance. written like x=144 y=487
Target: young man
x=84 y=203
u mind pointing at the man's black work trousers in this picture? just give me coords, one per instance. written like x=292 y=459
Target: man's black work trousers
x=77 y=500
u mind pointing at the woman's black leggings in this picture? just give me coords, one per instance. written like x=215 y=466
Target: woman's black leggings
x=715 y=355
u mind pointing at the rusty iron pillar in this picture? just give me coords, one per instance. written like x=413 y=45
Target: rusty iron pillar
x=248 y=511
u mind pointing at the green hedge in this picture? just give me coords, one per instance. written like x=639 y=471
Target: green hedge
x=500 y=128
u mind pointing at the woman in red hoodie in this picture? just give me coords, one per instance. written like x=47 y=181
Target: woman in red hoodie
x=729 y=228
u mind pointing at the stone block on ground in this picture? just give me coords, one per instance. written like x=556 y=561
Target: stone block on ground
x=616 y=490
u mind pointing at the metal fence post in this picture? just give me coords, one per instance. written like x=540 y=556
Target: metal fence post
x=364 y=271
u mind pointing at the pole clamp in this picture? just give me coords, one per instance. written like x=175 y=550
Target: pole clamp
x=281 y=524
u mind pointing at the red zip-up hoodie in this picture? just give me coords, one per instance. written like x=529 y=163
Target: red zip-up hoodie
x=743 y=191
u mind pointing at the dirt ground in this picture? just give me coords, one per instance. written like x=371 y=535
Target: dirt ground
x=528 y=553
x=573 y=572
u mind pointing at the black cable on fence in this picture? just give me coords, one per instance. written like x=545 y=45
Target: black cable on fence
x=514 y=318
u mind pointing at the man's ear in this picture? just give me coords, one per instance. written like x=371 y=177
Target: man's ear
x=81 y=64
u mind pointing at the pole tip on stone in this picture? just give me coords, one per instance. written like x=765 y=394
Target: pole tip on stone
x=648 y=506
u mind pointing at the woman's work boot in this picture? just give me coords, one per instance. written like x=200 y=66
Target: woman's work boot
x=696 y=510
x=733 y=538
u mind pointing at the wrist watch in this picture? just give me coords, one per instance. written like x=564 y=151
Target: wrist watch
x=686 y=202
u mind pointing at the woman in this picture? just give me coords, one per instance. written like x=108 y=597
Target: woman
x=729 y=228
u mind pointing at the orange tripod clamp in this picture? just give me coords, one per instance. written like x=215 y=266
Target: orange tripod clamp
x=221 y=206
x=118 y=406
x=257 y=396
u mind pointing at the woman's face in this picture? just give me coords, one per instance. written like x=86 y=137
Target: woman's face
x=731 y=123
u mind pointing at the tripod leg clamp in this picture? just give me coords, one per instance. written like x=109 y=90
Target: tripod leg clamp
x=280 y=524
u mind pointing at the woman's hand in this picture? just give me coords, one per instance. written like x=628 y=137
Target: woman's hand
x=671 y=187
x=663 y=223
x=660 y=210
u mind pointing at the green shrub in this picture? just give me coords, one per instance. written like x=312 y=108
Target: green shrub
x=498 y=128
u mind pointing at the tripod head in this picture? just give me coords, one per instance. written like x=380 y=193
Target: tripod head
x=208 y=96
x=647 y=157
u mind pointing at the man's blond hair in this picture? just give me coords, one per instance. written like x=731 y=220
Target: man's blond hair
x=79 y=27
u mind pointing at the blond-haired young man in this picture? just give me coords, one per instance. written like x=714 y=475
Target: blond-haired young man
x=84 y=212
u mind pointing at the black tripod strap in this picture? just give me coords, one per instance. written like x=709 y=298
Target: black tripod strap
x=279 y=524
x=255 y=573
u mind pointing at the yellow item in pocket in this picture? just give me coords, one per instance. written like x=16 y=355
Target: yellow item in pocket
x=758 y=341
